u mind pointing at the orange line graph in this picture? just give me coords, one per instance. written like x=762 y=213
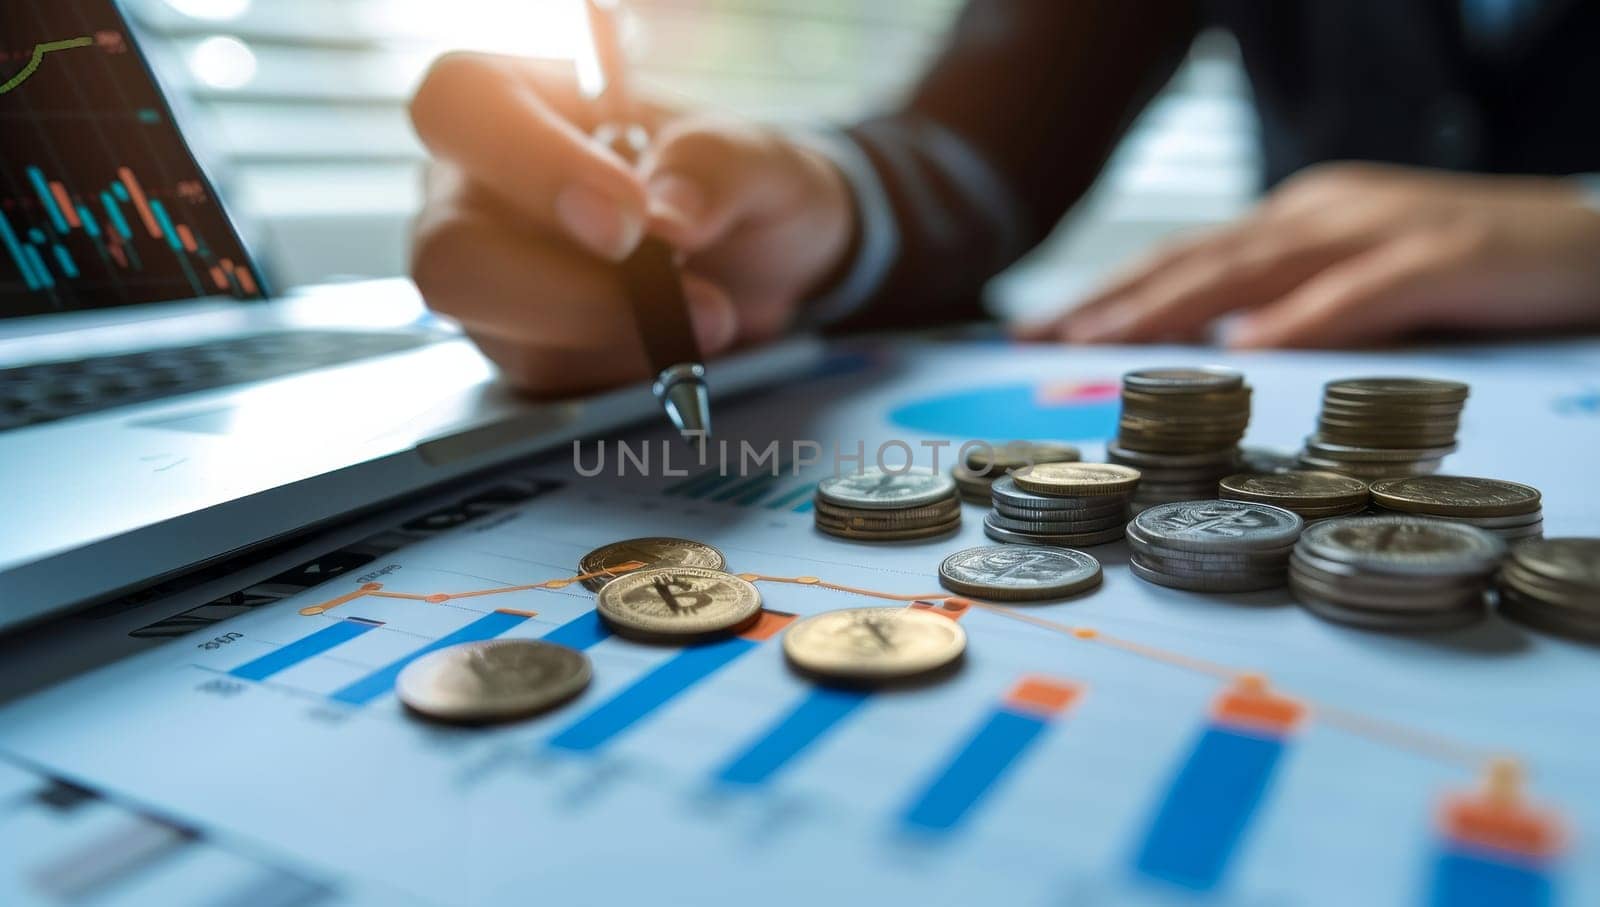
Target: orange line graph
x=1387 y=732
x=376 y=590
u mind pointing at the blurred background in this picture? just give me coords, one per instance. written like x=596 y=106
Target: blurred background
x=301 y=108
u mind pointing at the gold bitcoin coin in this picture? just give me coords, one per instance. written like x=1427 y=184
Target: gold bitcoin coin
x=678 y=603
x=1076 y=479
x=867 y=645
x=653 y=551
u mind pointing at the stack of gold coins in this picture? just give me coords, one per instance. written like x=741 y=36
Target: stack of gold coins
x=1379 y=428
x=877 y=505
x=1554 y=584
x=1507 y=509
x=1181 y=427
x=1313 y=495
x=984 y=465
x=1062 y=504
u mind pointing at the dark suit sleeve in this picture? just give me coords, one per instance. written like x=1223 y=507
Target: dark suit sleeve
x=1003 y=134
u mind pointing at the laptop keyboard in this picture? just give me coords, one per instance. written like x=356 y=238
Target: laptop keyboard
x=47 y=391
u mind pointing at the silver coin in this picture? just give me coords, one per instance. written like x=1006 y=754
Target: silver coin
x=1222 y=582
x=1569 y=560
x=1315 y=446
x=906 y=518
x=1198 y=569
x=1118 y=511
x=840 y=530
x=877 y=489
x=678 y=602
x=1219 y=525
x=1492 y=523
x=1139 y=539
x=1405 y=544
x=1222 y=459
x=1204 y=379
x=1073 y=540
x=1388 y=593
x=1549 y=591
x=1058 y=527
x=494 y=680
x=1541 y=616
x=1011 y=573
x=1367 y=619
x=1005 y=492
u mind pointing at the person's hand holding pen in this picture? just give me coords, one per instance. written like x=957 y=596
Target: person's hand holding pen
x=526 y=218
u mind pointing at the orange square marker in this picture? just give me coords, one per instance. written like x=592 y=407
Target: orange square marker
x=952 y=608
x=1507 y=827
x=1260 y=711
x=1042 y=696
x=768 y=624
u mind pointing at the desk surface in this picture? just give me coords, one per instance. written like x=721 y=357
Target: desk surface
x=266 y=752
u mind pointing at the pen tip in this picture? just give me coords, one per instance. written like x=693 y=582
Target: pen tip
x=688 y=405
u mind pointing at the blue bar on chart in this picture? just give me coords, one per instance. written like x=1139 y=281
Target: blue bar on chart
x=1209 y=804
x=1497 y=851
x=382 y=680
x=797 y=497
x=976 y=769
x=285 y=657
x=581 y=632
x=48 y=200
x=818 y=713
x=640 y=699
x=8 y=238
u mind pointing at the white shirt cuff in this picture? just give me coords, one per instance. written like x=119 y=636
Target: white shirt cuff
x=1590 y=183
x=878 y=239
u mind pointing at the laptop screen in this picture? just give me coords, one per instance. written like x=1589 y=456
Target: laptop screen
x=101 y=202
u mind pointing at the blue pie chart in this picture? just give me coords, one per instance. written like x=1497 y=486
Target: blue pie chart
x=1063 y=411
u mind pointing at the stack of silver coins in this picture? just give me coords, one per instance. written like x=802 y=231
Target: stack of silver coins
x=983 y=465
x=1508 y=509
x=1554 y=584
x=1213 y=546
x=877 y=505
x=1311 y=494
x=1062 y=504
x=1180 y=427
x=1378 y=428
x=1394 y=572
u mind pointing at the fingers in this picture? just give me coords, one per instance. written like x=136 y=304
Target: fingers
x=705 y=175
x=1260 y=270
x=519 y=129
x=550 y=371
x=475 y=265
x=1372 y=297
x=1081 y=321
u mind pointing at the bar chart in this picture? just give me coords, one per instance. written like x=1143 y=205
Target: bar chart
x=1217 y=790
x=597 y=728
x=101 y=202
x=1030 y=709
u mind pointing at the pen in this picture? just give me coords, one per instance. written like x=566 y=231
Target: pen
x=650 y=275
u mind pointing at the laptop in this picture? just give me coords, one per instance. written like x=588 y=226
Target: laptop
x=160 y=406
